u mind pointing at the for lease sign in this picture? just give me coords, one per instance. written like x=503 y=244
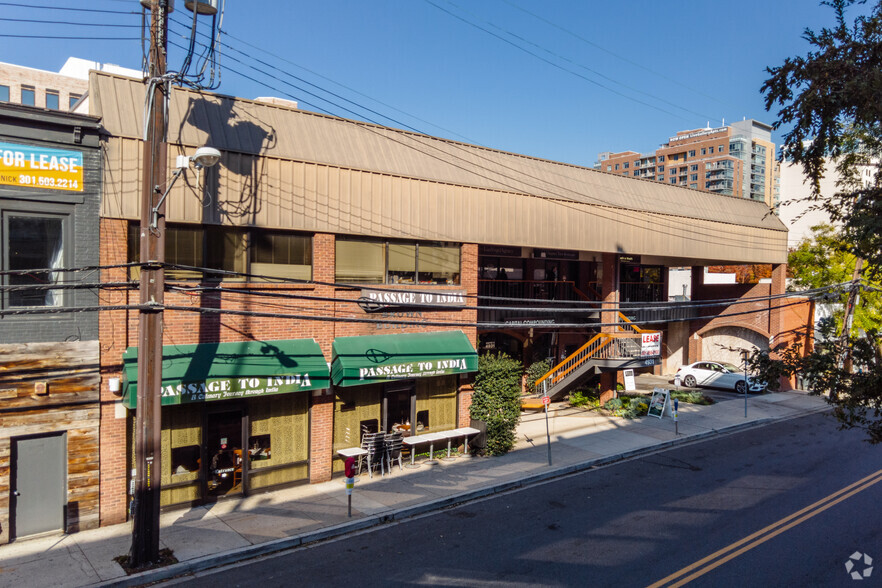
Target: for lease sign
x=31 y=166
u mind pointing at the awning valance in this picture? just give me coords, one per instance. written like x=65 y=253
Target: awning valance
x=225 y=371
x=381 y=358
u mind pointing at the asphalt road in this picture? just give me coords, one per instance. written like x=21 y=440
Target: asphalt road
x=780 y=505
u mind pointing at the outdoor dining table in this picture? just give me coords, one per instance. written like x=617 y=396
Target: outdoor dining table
x=353 y=452
x=414 y=440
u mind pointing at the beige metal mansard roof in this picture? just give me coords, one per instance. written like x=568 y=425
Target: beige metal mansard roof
x=292 y=169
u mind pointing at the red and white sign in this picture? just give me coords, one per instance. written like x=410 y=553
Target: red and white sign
x=546 y=400
x=650 y=344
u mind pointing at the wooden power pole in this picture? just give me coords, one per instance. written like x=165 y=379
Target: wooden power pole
x=145 y=508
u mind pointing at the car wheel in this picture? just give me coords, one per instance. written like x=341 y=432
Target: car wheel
x=741 y=386
x=689 y=381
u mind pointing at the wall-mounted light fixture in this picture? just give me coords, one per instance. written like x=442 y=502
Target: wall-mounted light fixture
x=204 y=157
x=113 y=385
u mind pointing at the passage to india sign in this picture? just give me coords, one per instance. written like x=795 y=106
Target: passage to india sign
x=38 y=167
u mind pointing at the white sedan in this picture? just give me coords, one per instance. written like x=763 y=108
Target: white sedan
x=717 y=374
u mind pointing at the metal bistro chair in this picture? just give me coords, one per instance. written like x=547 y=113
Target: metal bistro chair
x=373 y=444
x=392 y=443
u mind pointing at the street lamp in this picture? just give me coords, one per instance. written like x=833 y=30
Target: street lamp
x=204 y=157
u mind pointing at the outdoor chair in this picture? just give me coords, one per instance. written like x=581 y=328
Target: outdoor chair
x=392 y=443
x=373 y=444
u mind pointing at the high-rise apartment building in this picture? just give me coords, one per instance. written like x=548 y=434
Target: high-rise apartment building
x=737 y=160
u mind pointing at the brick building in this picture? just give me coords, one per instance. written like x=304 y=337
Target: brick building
x=738 y=159
x=50 y=188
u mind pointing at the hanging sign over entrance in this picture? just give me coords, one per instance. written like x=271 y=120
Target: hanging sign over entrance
x=29 y=166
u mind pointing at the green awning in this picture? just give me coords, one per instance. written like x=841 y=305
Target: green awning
x=224 y=371
x=382 y=358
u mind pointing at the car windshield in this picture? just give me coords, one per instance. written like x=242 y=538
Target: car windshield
x=730 y=367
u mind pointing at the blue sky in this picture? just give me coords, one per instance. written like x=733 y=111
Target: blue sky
x=558 y=79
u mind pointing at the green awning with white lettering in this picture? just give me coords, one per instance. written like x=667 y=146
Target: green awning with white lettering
x=383 y=358
x=226 y=371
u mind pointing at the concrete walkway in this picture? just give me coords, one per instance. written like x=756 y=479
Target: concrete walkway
x=208 y=536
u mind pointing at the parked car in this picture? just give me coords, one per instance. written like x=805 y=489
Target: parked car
x=717 y=374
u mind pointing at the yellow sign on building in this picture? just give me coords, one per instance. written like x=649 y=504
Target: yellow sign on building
x=30 y=166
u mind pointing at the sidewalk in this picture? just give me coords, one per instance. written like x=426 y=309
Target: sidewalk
x=212 y=535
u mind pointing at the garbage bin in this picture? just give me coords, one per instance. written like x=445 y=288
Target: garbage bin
x=478 y=443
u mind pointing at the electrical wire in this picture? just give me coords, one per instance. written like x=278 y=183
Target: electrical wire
x=44 y=7
x=66 y=22
x=471 y=150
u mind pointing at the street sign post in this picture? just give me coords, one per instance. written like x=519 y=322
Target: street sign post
x=546 y=400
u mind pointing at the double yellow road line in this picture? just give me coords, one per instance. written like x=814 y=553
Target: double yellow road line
x=732 y=551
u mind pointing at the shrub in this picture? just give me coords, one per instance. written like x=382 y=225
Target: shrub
x=691 y=396
x=536 y=371
x=613 y=404
x=578 y=399
x=496 y=400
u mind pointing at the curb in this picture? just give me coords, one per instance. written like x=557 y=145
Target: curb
x=243 y=553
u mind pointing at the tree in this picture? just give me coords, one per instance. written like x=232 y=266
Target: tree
x=829 y=102
x=496 y=400
x=823 y=260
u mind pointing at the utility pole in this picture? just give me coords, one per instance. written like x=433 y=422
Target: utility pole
x=851 y=304
x=145 y=508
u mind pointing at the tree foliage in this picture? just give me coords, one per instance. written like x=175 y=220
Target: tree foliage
x=825 y=259
x=496 y=400
x=830 y=106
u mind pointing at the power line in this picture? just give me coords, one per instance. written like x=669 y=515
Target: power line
x=568 y=60
x=474 y=151
x=70 y=38
x=67 y=22
x=43 y=7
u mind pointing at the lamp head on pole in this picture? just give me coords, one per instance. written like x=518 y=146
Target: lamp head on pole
x=206 y=157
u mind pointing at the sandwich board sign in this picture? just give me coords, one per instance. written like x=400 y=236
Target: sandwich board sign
x=660 y=398
x=629 y=380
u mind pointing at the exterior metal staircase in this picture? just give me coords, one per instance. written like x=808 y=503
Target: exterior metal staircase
x=604 y=352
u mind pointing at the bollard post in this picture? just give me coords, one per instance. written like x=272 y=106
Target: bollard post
x=349 y=472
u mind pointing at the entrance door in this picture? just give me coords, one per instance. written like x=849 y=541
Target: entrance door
x=399 y=403
x=223 y=451
x=39 y=478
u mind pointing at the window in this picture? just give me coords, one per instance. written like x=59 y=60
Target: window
x=693 y=167
x=625 y=165
x=269 y=254
x=692 y=153
x=693 y=186
x=33 y=241
x=675 y=156
x=661 y=158
x=672 y=170
x=609 y=168
x=52 y=99
x=703 y=151
x=661 y=178
x=396 y=262
x=661 y=168
x=260 y=448
x=4 y=93
x=721 y=148
x=281 y=255
x=184 y=460
x=624 y=173
x=710 y=149
x=617 y=167
x=693 y=177
x=28 y=95
x=72 y=100
x=673 y=180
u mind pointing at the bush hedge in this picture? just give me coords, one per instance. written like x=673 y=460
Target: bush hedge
x=497 y=400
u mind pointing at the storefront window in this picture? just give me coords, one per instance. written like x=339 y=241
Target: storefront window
x=365 y=414
x=185 y=460
x=278 y=440
x=436 y=403
x=181 y=441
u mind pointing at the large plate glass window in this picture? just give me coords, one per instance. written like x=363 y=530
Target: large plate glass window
x=364 y=261
x=34 y=242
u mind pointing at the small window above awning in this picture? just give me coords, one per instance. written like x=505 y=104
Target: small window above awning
x=226 y=371
x=383 y=358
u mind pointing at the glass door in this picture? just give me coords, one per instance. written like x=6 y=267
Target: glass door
x=223 y=450
x=399 y=405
